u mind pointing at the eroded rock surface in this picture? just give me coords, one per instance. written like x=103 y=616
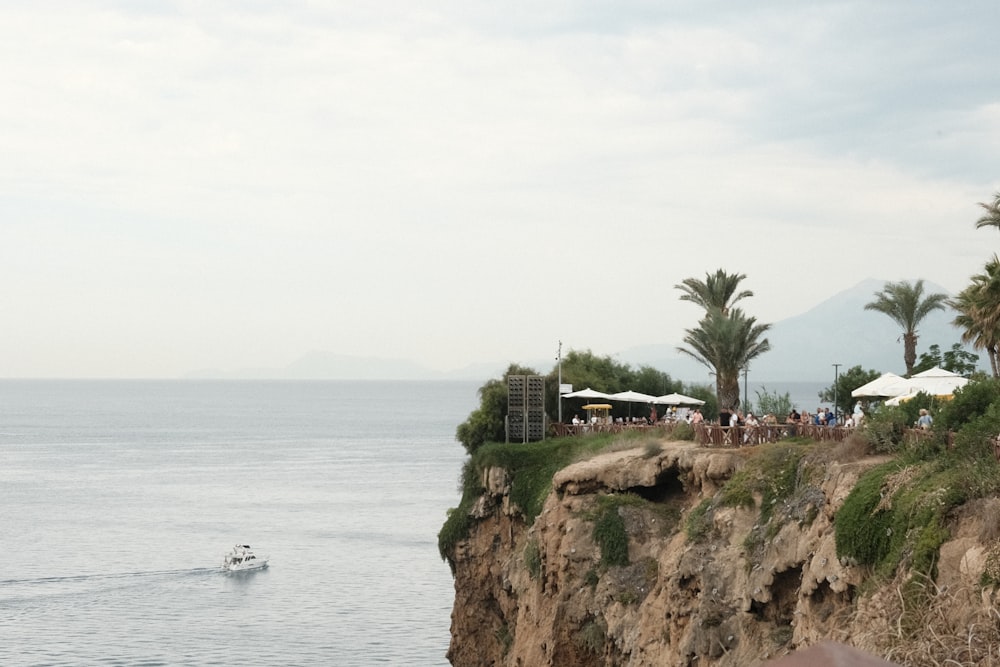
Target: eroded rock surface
x=738 y=594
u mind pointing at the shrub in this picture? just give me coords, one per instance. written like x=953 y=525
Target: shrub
x=609 y=529
x=968 y=403
x=682 y=431
x=772 y=475
x=699 y=521
x=533 y=559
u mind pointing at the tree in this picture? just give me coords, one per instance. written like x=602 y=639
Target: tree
x=773 y=403
x=727 y=344
x=486 y=423
x=585 y=369
x=978 y=307
x=992 y=216
x=955 y=360
x=847 y=382
x=719 y=290
x=905 y=304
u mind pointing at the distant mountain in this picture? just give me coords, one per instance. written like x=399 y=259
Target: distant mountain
x=320 y=365
x=805 y=347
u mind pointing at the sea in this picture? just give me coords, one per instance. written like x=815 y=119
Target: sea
x=119 y=499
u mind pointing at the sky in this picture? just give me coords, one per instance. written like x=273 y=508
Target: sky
x=212 y=184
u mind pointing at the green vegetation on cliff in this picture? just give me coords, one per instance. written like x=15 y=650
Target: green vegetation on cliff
x=530 y=467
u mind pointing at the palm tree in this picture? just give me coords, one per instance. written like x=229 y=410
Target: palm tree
x=906 y=305
x=992 y=216
x=717 y=291
x=978 y=307
x=726 y=344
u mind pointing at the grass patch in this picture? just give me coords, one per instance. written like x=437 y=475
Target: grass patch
x=699 y=521
x=771 y=475
x=533 y=559
x=897 y=514
x=609 y=528
x=531 y=467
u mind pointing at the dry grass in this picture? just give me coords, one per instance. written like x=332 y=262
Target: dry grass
x=958 y=627
x=852 y=448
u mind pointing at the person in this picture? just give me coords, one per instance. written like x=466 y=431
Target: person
x=697 y=417
x=830 y=419
x=576 y=420
x=925 y=421
x=849 y=421
x=859 y=414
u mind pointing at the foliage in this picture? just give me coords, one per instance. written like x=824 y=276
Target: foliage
x=771 y=403
x=847 y=382
x=968 y=403
x=727 y=344
x=531 y=467
x=991 y=217
x=956 y=360
x=897 y=512
x=610 y=535
x=771 y=475
x=504 y=637
x=699 y=521
x=905 y=304
x=592 y=636
x=486 y=423
x=682 y=431
x=978 y=308
x=533 y=559
x=585 y=369
x=609 y=528
x=717 y=292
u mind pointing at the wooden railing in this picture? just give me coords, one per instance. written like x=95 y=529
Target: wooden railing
x=713 y=435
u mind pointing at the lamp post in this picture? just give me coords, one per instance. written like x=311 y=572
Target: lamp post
x=559 y=385
x=836 y=377
x=745 y=371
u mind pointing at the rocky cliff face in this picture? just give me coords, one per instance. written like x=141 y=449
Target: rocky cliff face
x=750 y=583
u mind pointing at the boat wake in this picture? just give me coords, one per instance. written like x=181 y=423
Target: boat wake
x=20 y=589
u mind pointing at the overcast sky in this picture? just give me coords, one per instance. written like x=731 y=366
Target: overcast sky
x=188 y=185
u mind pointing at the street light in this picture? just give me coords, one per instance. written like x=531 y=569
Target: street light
x=745 y=371
x=559 y=385
x=836 y=377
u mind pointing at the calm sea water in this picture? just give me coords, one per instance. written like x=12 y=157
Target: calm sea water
x=118 y=500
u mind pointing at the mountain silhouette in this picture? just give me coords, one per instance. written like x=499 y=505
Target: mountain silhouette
x=805 y=347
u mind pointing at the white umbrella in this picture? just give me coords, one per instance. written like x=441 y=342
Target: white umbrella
x=936 y=382
x=587 y=393
x=632 y=397
x=888 y=384
x=677 y=399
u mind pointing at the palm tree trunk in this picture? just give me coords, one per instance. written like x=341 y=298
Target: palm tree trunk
x=728 y=391
x=909 y=351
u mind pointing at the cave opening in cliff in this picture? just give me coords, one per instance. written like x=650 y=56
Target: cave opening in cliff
x=666 y=486
x=784 y=597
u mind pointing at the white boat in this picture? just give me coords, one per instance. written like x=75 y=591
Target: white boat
x=242 y=559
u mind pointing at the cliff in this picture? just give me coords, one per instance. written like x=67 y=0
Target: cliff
x=684 y=556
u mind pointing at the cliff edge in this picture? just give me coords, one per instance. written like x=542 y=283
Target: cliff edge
x=685 y=556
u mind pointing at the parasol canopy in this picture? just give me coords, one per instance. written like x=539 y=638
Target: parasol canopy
x=677 y=399
x=887 y=384
x=632 y=397
x=587 y=393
